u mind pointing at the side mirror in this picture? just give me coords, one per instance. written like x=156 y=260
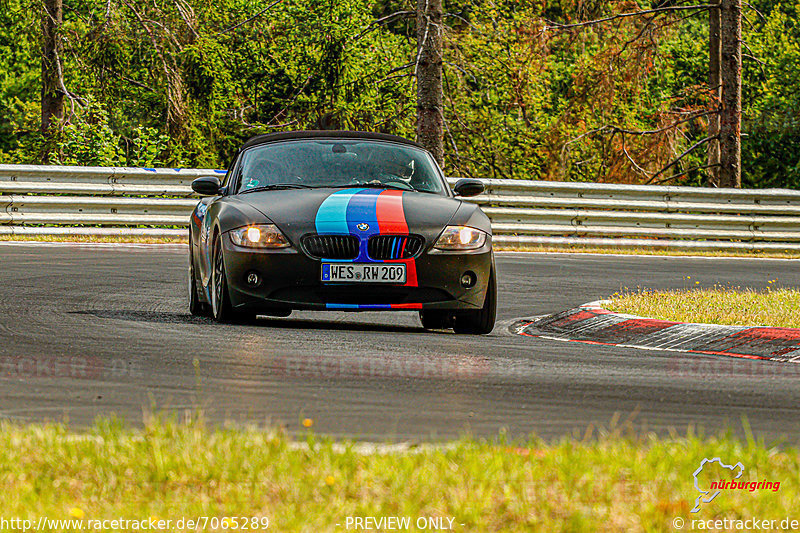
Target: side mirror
x=466 y=187
x=206 y=186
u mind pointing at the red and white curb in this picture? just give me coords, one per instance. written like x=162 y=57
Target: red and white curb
x=592 y=324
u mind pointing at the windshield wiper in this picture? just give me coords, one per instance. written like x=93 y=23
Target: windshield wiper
x=276 y=186
x=374 y=186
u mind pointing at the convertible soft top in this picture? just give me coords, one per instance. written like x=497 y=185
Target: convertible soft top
x=326 y=134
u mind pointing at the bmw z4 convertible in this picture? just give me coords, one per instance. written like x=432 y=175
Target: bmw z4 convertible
x=345 y=221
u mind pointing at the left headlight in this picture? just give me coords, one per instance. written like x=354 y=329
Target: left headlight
x=259 y=236
x=461 y=238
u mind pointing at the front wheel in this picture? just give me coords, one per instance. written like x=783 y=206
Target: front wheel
x=196 y=307
x=221 y=308
x=482 y=321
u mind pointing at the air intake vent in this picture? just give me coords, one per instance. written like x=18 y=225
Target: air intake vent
x=394 y=246
x=331 y=246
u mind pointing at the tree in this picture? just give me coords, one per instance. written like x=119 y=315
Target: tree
x=715 y=90
x=725 y=87
x=428 y=70
x=52 y=80
x=730 y=134
x=532 y=90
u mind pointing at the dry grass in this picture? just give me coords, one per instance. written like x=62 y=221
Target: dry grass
x=718 y=305
x=94 y=238
x=788 y=254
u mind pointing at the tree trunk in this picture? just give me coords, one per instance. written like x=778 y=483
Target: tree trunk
x=52 y=95
x=430 y=101
x=730 y=174
x=715 y=91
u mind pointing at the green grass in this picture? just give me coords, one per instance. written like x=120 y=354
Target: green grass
x=718 y=305
x=613 y=481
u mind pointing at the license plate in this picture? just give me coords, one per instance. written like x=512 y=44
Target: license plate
x=361 y=273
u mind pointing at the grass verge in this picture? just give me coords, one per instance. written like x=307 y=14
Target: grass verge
x=717 y=305
x=648 y=251
x=94 y=238
x=611 y=482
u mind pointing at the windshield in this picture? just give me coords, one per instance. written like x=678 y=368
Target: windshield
x=338 y=163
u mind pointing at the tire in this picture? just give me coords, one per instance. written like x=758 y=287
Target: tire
x=221 y=308
x=482 y=321
x=436 y=319
x=196 y=307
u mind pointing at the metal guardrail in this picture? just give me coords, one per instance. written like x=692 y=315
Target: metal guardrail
x=49 y=200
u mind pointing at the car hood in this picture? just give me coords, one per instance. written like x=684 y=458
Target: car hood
x=298 y=212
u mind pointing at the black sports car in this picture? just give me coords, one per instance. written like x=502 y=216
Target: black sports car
x=345 y=221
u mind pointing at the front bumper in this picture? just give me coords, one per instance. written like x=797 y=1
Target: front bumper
x=289 y=279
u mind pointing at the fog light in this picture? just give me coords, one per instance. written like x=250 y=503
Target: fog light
x=253 y=279
x=468 y=279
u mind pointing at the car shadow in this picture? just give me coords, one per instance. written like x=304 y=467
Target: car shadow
x=306 y=323
x=165 y=317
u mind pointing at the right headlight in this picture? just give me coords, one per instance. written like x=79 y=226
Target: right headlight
x=461 y=238
x=259 y=236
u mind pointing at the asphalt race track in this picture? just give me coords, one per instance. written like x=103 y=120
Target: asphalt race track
x=96 y=330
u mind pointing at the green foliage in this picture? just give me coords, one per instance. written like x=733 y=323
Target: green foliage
x=185 y=83
x=89 y=140
x=771 y=147
x=19 y=73
x=146 y=148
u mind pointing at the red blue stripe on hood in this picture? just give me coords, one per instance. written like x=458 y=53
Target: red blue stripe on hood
x=381 y=210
